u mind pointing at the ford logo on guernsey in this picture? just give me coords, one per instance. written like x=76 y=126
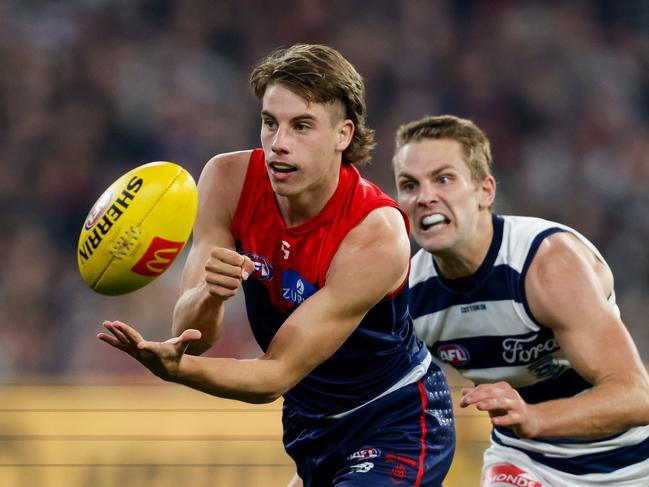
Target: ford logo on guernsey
x=263 y=270
x=454 y=354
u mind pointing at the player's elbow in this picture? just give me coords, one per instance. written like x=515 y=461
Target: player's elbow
x=273 y=384
x=209 y=336
x=264 y=397
x=635 y=400
x=643 y=389
x=266 y=393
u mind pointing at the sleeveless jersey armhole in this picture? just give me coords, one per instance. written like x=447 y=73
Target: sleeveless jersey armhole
x=247 y=191
x=534 y=247
x=373 y=205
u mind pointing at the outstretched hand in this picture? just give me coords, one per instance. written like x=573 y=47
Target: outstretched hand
x=505 y=407
x=161 y=358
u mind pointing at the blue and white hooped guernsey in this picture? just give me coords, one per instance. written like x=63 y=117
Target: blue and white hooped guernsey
x=482 y=326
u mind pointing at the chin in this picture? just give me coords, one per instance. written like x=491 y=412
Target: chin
x=431 y=244
x=284 y=189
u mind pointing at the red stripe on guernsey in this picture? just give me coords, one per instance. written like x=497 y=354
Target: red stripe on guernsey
x=422 y=440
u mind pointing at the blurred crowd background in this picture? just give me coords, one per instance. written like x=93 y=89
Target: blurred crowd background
x=92 y=88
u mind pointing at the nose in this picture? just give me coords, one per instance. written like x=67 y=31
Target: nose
x=427 y=194
x=279 y=142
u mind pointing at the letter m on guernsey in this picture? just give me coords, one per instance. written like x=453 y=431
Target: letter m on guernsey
x=158 y=257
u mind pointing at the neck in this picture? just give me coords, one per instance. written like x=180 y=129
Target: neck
x=298 y=208
x=465 y=261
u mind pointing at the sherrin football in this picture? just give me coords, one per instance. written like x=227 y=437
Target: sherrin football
x=137 y=228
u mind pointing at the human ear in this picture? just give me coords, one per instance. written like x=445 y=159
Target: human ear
x=487 y=189
x=344 y=134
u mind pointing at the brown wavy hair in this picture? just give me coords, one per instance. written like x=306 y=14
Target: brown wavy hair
x=320 y=74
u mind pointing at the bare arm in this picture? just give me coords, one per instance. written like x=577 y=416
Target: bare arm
x=213 y=270
x=312 y=333
x=567 y=289
x=317 y=328
x=296 y=481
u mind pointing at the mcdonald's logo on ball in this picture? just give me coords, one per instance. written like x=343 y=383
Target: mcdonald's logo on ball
x=158 y=257
x=137 y=228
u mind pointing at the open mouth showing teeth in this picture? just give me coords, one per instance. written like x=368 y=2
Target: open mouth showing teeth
x=431 y=220
x=282 y=168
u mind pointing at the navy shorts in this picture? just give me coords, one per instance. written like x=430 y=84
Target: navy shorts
x=406 y=438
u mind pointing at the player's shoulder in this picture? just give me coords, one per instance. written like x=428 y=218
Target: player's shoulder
x=521 y=236
x=220 y=185
x=555 y=241
x=384 y=222
x=225 y=172
x=559 y=248
x=378 y=247
x=565 y=269
x=527 y=226
x=227 y=164
x=564 y=256
x=382 y=235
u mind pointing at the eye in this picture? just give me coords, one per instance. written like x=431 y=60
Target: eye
x=407 y=186
x=301 y=126
x=444 y=179
x=268 y=123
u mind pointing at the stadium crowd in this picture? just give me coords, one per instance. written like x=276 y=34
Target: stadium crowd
x=92 y=88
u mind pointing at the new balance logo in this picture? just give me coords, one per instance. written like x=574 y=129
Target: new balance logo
x=362 y=467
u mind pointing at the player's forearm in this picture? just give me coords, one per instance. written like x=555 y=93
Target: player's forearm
x=610 y=407
x=197 y=309
x=255 y=381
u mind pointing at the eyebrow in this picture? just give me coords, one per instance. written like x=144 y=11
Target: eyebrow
x=437 y=171
x=297 y=118
x=445 y=167
x=404 y=175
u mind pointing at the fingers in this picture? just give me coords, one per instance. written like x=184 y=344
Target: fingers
x=512 y=418
x=181 y=342
x=496 y=406
x=160 y=358
x=123 y=332
x=123 y=336
x=504 y=405
x=488 y=397
x=228 y=262
x=109 y=339
x=248 y=267
x=188 y=335
x=225 y=269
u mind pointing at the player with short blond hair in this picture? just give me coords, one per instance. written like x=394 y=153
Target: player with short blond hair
x=525 y=308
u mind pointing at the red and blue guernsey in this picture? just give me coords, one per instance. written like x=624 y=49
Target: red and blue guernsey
x=291 y=264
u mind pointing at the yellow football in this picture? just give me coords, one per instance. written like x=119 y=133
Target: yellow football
x=137 y=228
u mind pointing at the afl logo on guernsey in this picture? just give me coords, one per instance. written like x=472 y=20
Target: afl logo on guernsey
x=263 y=270
x=454 y=354
x=365 y=454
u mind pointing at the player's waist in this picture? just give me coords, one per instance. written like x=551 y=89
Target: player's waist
x=412 y=376
x=332 y=392
x=581 y=456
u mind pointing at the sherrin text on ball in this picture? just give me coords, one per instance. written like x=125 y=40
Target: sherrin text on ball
x=137 y=228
